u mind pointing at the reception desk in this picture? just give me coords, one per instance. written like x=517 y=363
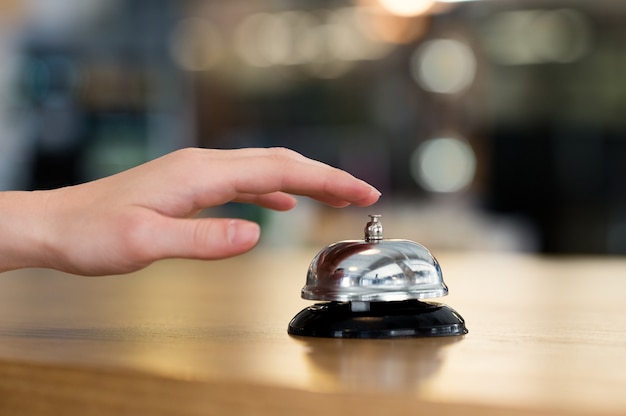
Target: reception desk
x=547 y=336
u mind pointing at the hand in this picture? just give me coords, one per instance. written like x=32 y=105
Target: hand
x=124 y=222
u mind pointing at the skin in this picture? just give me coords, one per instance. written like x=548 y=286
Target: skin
x=122 y=223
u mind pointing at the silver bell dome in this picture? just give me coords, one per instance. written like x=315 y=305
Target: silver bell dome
x=374 y=270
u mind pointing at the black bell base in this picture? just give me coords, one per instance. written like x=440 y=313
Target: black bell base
x=410 y=318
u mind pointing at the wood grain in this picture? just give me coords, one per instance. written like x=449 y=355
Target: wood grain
x=547 y=336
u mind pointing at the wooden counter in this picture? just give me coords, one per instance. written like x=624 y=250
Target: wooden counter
x=547 y=337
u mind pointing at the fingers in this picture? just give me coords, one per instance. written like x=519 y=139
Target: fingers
x=283 y=202
x=207 y=239
x=287 y=171
x=276 y=200
x=265 y=171
x=142 y=215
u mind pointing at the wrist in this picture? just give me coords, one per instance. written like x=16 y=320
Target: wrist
x=24 y=229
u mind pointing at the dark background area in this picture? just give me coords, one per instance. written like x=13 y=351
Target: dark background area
x=102 y=87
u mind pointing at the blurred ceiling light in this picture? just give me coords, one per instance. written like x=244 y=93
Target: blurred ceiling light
x=304 y=44
x=538 y=36
x=326 y=64
x=443 y=165
x=407 y=7
x=326 y=44
x=349 y=40
x=376 y=22
x=563 y=35
x=340 y=42
x=195 y=44
x=444 y=66
x=263 y=39
x=395 y=29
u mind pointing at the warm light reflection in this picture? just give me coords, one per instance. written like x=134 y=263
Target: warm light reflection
x=325 y=43
x=384 y=365
x=407 y=7
x=262 y=40
x=351 y=40
x=370 y=252
x=397 y=29
x=538 y=36
x=445 y=66
x=305 y=43
x=444 y=164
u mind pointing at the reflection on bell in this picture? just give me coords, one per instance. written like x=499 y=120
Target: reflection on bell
x=374 y=289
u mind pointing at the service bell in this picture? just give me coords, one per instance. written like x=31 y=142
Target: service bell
x=374 y=289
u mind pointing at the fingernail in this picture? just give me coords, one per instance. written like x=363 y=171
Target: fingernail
x=372 y=189
x=243 y=233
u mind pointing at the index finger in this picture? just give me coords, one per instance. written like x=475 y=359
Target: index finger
x=263 y=171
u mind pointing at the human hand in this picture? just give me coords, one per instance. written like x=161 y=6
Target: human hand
x=124 y=222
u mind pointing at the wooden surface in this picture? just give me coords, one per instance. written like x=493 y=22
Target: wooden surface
x=547 y=337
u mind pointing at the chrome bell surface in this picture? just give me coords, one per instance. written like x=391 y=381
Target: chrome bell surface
x=374 y=270
x=374 y=289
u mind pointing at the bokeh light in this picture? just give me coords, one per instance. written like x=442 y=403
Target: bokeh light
x=326 y=65
x=397 y=29
x=351 y=40
x=445 y=66
x=325 y=43
x=304 y=43
x=525 y=37
x=196 y=44
x=263 y=39
x=407 y=7
x=444 y=165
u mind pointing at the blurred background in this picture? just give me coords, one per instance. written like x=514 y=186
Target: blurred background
x=487 y=124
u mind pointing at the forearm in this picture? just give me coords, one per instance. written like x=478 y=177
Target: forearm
x=23 y=230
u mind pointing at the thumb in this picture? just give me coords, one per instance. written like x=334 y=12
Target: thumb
x=206 y=238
